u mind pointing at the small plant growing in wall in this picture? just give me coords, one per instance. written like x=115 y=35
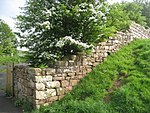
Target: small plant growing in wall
x=24 y=104
x=18 y=102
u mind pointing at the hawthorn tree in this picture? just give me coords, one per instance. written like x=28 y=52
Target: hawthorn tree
x=52 y=29
x=7 y=40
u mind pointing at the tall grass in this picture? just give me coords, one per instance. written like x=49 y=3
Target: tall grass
x=130 y=65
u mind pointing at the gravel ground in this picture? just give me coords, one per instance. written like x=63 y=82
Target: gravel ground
x=6 y=103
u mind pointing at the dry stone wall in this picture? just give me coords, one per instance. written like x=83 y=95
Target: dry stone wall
x=44 y=86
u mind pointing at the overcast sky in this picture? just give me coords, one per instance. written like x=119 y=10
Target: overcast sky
x=10 y=8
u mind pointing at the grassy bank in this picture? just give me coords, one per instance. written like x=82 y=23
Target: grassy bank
x=118 y=85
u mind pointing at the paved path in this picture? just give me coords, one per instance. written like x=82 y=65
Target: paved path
x=7 y=105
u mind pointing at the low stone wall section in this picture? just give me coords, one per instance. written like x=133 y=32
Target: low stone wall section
x=44 y=86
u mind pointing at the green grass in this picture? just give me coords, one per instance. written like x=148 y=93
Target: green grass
x=5 y=59
x=131 y=66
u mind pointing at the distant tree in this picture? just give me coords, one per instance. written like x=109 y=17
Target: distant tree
x=146 y=9
x=134 y=11
x=7 y=40
x=122 y=14
x=118 y=18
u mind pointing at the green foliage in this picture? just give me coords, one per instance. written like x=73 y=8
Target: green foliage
x=132 y=96
x=74 y=106
x=7 y=40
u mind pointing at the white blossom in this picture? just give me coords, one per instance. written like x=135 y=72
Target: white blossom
x=46 y=24
x=92 y=18
x=91 y=5
x=104 y=17
x=83 y=5
x=93 y=10
x=101 y=13
x=81 y=35
x=53 y=8
x=48 y=13
x=54 y=56
x=82 y=10
x=47 y=27
x=60 y=43
x=69 y=38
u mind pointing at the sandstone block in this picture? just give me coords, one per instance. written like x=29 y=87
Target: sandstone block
x=105 y=55
x=71 y=74
x=39 y=102
x=103 y=43
x=52 y=99
x=50 y=71
x=72 y=69
x=62 y=75
x=51 y=92
x=73 y=57
x=106 y=47
x=39 y=86
x=64 y=83
x=68 y=89
x=89 y=70
x=84 y=62
x=40 y=95
x=67 y=70
x=38 y=79
x=53 y=84
x=61 y=63
x=60 y=97
x=49 y=78
x=60 y=91
x=58 y=78
x=95 y=64
x=67 y=78
x=73 y=82
x=79 y=62
x=80 y=76
x=71 y=63
x=84 y=71
x=34 y=71
x=59 y=71
x=90 y=63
